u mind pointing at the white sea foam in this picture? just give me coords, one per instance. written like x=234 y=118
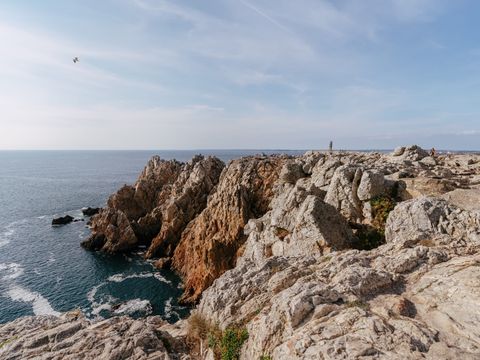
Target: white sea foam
x=40 y=305
x=6 y=235
x=121 y=277
x=11 y=271
x=159 y=277
x=133 y=306
x=169 y=310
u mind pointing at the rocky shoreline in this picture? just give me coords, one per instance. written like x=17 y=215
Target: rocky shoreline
x=323 y=256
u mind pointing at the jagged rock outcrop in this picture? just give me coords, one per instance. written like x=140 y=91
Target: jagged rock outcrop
x=299 y=222
x=71 y=336
x=166 y=196
x=267 y=245
x=391 y=302
x=208 y=246
x=188 y=197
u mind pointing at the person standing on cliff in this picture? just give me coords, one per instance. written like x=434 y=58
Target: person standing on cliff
x=432 y=152
x=330 y=146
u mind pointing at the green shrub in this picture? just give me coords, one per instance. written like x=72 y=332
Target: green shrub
x=265 y=357
x=372 y=236
x=231 y=343
x=369 y=238
x=381 y=207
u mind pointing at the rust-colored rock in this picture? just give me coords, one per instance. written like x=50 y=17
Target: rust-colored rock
x=209 y=244
x=188 y=197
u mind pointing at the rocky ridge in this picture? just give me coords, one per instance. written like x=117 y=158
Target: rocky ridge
x=273 y=244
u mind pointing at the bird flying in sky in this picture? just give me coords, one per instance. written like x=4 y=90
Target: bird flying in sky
x=75 y=59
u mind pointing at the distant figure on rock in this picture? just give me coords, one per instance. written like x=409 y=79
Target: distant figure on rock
x=330 y=146
x=432 y=152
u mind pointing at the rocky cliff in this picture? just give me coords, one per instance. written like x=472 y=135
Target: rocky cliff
x=321 y=256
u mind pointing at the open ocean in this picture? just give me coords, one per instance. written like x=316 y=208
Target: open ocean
x=43 y=269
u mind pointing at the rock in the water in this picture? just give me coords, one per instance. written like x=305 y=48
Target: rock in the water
x=62 y=220
x=89 y=211
x=162 y=263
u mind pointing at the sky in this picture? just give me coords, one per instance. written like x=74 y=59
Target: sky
x=245 y=74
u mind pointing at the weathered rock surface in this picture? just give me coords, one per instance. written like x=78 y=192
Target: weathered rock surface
x=71 y=336
x=268 y=245
x=209 y=245
x=406 y=299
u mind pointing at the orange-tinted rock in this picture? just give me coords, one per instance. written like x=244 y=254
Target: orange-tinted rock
x=209 y=243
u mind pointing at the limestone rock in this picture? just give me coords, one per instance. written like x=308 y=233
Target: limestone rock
x=466 y=199
x=398 y=151
x=300 y=223
x=71 y=336
x=372 y=184
x=166 y=196
x=342 y=192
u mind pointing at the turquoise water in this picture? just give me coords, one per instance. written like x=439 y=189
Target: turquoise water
x=43 y=269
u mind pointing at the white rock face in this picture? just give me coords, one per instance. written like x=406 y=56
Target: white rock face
x=342 y=192
x=430 y=219
x=415 y=297
x=372 y=184
x=71 y=336
x=300 y=223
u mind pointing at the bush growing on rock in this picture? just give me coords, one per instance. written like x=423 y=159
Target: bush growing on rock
x=231 y=343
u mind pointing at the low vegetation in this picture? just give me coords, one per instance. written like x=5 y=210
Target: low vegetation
x=372 y=236
x=358 y=303
x=381 y=207
x=226 y=344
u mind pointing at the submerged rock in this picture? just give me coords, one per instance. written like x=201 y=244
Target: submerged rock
x=90 y=211
x=62 y=220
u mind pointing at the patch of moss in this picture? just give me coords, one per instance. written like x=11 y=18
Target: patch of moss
x=370 y=237
x=265 y=357
x=381 y=207
x=358 y=303
x=281 y=232
x=8 y=341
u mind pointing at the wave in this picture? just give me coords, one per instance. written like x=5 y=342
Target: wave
x=40 y=305
x=121 y=277
x=12 y=271
x=6 y=235
x=134 y=306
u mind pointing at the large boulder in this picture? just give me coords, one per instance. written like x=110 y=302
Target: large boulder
x=300 y=223
x=342 y=192
x=372 y=184
x=429 y=219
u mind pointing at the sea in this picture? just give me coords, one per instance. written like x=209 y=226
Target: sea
x=44 y=270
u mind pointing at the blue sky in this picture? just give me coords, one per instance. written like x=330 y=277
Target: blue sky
x=165 y=74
